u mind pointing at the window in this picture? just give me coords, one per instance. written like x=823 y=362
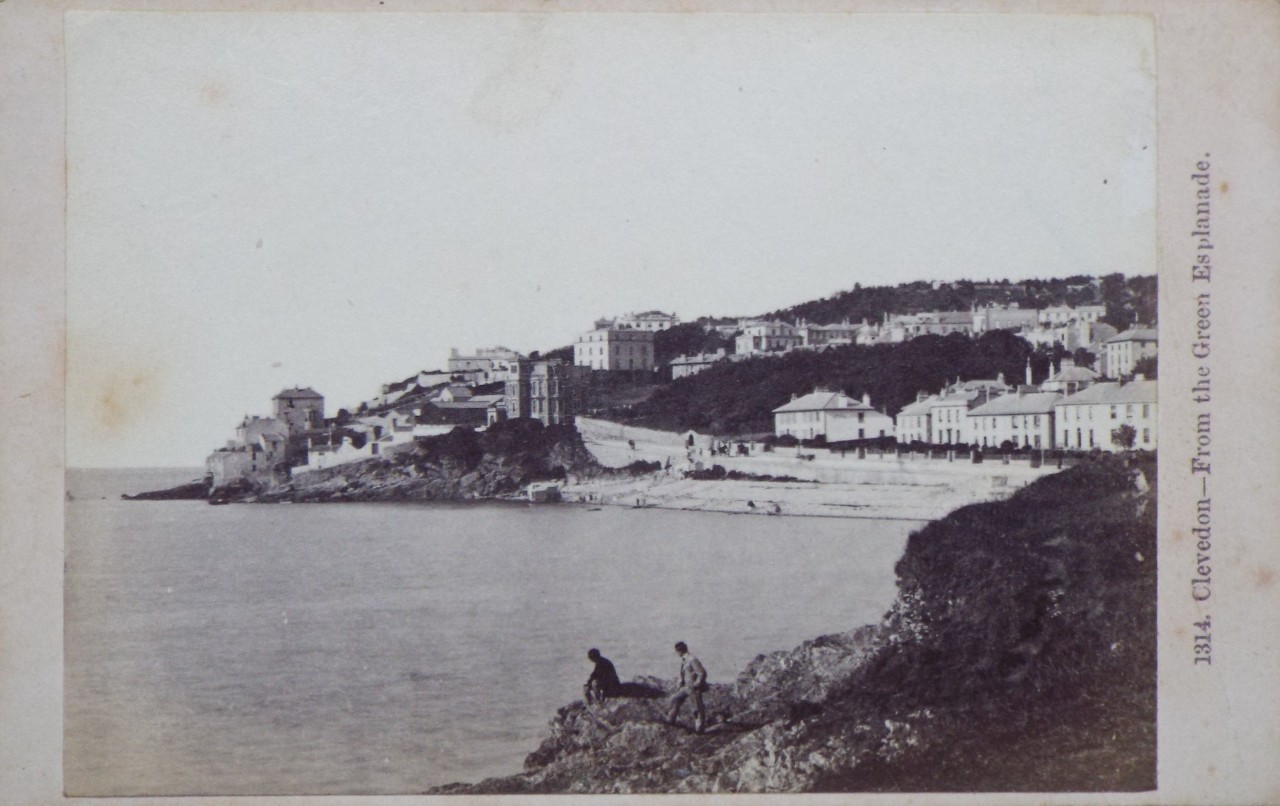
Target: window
x=1146 y=435
x=1113 y=412
x=1146 y=410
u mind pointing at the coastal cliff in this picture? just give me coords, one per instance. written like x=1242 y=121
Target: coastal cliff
x=1019 y=655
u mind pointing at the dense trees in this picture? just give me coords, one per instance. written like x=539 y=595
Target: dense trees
x=739 y=398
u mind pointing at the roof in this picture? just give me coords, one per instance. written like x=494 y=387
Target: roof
x=1067 y=374
x=967 y=397
x=1032 y=403
x=918 y=407
x=305 y=391
x=823 y=401
x=1135 y=334
x=1112 y=392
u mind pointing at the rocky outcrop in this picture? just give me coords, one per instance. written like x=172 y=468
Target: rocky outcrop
x=460 y=465
x=1019 y=655
x=195 y=490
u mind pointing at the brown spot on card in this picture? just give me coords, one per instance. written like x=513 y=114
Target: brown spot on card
x=1264 y=578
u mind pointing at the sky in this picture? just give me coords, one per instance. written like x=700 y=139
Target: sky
x=264 y=200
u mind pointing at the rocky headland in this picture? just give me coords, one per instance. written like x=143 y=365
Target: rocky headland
x=1019 y=655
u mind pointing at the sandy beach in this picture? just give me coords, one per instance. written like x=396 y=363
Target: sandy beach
x=830 y=485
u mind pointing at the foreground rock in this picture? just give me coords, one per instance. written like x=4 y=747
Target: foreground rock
x=1019 y=655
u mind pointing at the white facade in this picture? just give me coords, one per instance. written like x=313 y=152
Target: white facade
x=1004 y=318
x=614 y=348
x=648 y=320
x=948 y=418
x=1021 y=419
x=1121 y=353
x=758 y=338
x=1061 y=314
x=833 y=415
x=913 y=423
x=1087 y=419
x=682 y=366
x=485 y=365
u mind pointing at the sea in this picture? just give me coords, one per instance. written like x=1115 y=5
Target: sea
x=386 y=648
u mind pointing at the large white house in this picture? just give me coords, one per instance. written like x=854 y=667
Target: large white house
x=1089 y=418
x=1121 y=353
x=761 y=337
x=615 y=348
x=833 y=415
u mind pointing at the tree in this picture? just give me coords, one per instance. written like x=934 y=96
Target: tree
x=1147 y=366
x=1124 y=437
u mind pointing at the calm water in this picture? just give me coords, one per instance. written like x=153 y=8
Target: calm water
x=387 y=648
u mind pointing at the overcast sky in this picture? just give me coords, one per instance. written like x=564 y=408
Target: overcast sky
x=263 y=200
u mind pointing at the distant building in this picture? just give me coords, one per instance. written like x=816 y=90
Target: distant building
x=1120 y=354
x=551 y=391
x=646 y=320
x=1062 y=314
x=833 y=415
x=1000 y=317
x=761 y=337
x=300 y=409
x=1088 y=419
x=485 y=365
x=1021 y=419
x=1068 y=378
x=615 y=348
x=682 y=366
x=260 y=447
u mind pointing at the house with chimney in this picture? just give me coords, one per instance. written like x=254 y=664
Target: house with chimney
x=1120 y=354
x=1089 y=418
x=833 y=415
x=1021 y=419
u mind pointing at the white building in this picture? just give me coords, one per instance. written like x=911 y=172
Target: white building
x=682 y=366
x=913 y=422
x=1068 y=378
x=1061 y=314
x=1021 y=419
x=1121 y=353
x=485 y=365
x=615 y=348
x=1000 y=317
x=760 y=337
x=949 y=416
x=834 y=415
x=647 y=320
x=1087 y=419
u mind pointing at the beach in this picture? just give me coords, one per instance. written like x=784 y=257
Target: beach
x=826 y=483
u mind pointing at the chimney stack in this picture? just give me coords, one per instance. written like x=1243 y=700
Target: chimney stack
x=1028 y=370
x=866 y=399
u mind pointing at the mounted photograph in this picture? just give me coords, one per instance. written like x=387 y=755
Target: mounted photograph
x=610 y=403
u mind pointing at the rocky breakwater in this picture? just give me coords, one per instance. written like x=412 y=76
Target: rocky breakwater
x=460 y=465
x=1018 y=656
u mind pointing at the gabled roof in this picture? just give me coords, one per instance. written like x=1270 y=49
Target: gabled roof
x=1111 y=393
x=1135 y=334
x=823 y=401
x=1031 y=403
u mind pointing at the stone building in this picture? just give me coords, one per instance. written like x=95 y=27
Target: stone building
x=300 y=409
x=1120 y=354
x=551 y=391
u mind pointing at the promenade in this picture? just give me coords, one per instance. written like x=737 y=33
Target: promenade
x=909 y=487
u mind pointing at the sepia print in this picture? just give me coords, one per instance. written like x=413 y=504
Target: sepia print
x=636 y=404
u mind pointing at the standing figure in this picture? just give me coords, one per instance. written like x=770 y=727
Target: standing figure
x=603 y=682
x=693 y=681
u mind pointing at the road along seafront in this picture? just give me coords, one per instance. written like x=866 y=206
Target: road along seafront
x=822 y=483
